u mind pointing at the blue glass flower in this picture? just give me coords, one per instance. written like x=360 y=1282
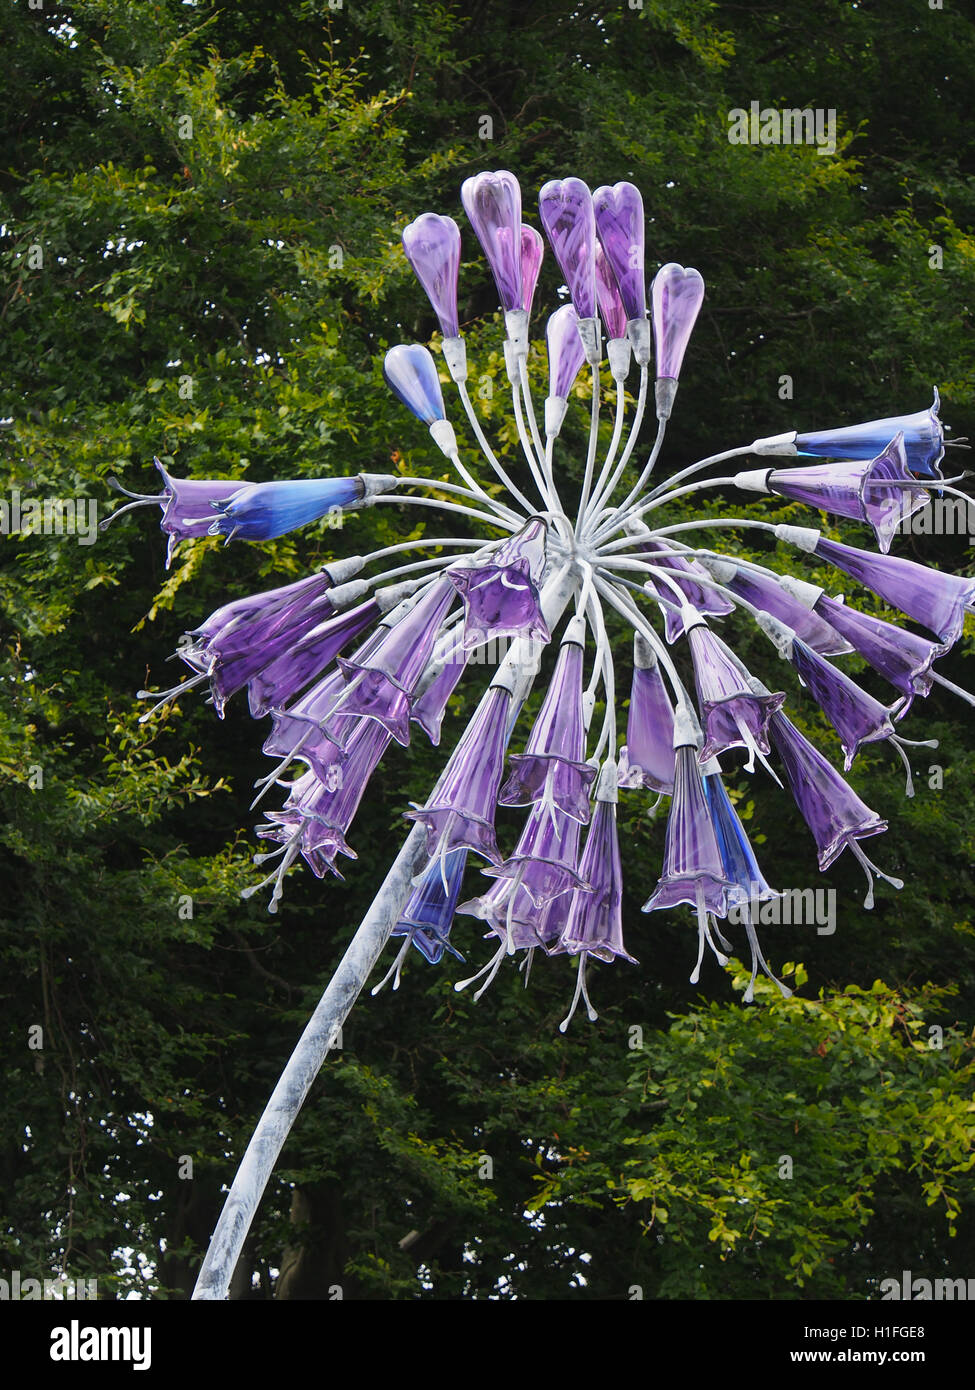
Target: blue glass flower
x=261 y=511
x=924 y=440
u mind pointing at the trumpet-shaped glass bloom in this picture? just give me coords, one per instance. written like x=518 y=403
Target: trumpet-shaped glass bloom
x=924 y=440
x=501 y=597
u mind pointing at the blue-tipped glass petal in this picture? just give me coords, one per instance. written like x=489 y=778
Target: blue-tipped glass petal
x=261 y=511
x=411 y=374
x=734 y=846
x=426 y=919
x=924 y=440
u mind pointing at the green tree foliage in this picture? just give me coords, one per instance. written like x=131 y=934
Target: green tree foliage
x=199 y=216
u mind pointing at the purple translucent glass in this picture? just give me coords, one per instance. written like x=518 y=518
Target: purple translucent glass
x=565 y=207
x=297 y=731
x=552 y=768
x=767 y=593
x=234 y=652
x=429 y=706
x=647 y=760
x=501 y=598
x=258 y=616
x=619 y=225
x=187 y=505
x=677 y=295
x=411 y=374
x=737 y=855
x=532 y=251
x=924 y=440
x=611 y=309
x=325 y=812
x=432 y=246
x=545 y=859
x=855 y=715
x=857 y=490
x=829 y=805
x=506 y=905
x=426 y=919
x=692 y=870
x=299 y=664
x=493 y=205
x=733 y=716
x=566 y=353
x=902 y=658
x=704 y=597
x=460 y=810
x=389 y=670
x=594 y=924
x=932 y=598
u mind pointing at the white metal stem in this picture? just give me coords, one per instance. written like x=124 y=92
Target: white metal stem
x=591 y=452
x=488 y=452
x=407 y=501
x=603 y=494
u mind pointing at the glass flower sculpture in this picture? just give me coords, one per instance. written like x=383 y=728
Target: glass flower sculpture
x=356 y=657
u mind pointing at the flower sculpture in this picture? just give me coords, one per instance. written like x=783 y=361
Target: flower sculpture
x=355 y=657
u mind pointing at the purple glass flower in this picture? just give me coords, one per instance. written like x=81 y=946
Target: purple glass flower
x=545 y=860
x=297 y=732
x=300 y=663
x=493 y=205
x=460 y=810
x=692 y=870
x=432 y=246
x=611 y=309
x=855 y=715
x=411 y=374
x=501 y=598
x=830 y=807
x=240 y=639
x=647 y=759
x=594 y=925
x=858 y=490
x=677 y=295
x=532 y=251
x=382 y=677
x=565 y=207
x=704 y=597
x=775 y=596
x=936 y=600
x=429 y=912
x=903 y=659
x=427 y=709
x=733 y=716
x=619 y=225
x=566 y=353
x=924 y=440
x=187 y=505
x=552 y=770
x=512 y=915
x=316 y=816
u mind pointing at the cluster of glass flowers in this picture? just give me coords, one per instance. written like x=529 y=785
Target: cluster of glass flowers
x=352 y=658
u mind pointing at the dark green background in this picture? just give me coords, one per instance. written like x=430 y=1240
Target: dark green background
x=615 y=1168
